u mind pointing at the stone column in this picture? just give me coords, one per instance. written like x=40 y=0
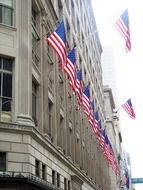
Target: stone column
x=23 y=64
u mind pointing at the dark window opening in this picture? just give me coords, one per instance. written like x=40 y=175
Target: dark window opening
x=65 y=184
x=58 y=180
x=44 y=171
x=53 y=177
x=37 y=168
x=2 y=161
x=34 y=102
x=50 y=107
x=69 y=185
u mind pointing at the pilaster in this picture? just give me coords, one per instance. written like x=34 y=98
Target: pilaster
x=23 y=64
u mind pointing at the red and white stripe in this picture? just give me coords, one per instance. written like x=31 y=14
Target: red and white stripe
x=129 y=110
x=70 y=70
x=78 y=90
x=59 y=46
x=86 y=104
x=124 y=31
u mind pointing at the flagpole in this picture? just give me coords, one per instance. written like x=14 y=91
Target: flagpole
x=99 y=28
x=89 y=36
x=116 y=110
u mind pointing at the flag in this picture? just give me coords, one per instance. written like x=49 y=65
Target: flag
x=57 y=40
x=97 y=116
x=69 y=68
x=102 y=137
x=129 y=109
x=122 y=25
x=96 y=128
x=86 y=101
x=91 y=116
x=78 y=86
x=125 y=180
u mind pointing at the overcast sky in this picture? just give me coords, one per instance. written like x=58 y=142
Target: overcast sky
x=129 y=71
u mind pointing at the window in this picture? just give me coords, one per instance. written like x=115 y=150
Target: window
x=69 y=185
x=34 y=102
x=53 y=177
x=5 y=88
x=2 y=161
x=65 y=184
x=37 y=168
x=58 y=180
x=35 y=35
x=50 y=118
x=60 y=135
x=6 y=12
x=44 y=171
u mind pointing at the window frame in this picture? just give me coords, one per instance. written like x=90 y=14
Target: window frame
x=8 y=99
x=3 y=6
x=35 y=99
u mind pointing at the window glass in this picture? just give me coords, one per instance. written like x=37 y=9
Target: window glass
x=34 y=102
x=44 y=171
x=65 y=184
x=58 y=180
x=68 y=185
x=5 y=88
x=0 y=62
x=7 y=16
x=53 y=177
x=0 y=84
x=0 y=13
x=2 y=161
x=7 y=85
x=6 y=104
x=7 y=64
x=37 y=168
x=6 y=12
x=6 y=2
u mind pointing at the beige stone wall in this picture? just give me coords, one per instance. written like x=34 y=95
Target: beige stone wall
x=22 y=150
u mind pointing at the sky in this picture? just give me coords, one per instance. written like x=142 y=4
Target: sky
x=129 y=71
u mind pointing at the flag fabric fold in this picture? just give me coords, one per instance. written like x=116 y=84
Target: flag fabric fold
x=129 y=108
x=69 y=69
x=57 y=40
x=86 y=101
x=78 y=86
x=122 y=25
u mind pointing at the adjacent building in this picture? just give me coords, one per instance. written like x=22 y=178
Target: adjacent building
x=114 y=133
x=46 y=142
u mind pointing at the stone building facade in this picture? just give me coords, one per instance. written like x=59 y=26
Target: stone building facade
x=45 y=140
x=114 y=132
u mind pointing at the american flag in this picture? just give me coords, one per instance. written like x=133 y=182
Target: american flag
x=86 y=101
x=57 y=40
x=102 y=138
x=129 y=109
x=125 y=180
x=78 y=87
x=96 y=128
x=122 y=25
x=69 y=68
x=107 y=150
x=91 y=116
x=97 y=116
